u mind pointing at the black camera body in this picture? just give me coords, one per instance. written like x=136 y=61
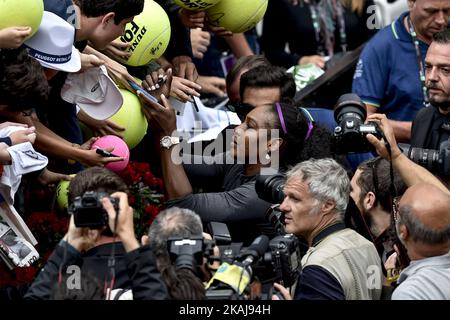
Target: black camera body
x=280 y=263
x=88 y=211
x=283 y=260
x=275 y=217
x=436 y=161
x=188 y=253
x=349 y=136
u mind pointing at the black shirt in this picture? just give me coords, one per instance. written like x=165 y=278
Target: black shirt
x=316 y=283
x=237 y=205
x=293 y=25
x=430 y=128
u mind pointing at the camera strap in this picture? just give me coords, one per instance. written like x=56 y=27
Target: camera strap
x=326 y=16
x=327 y=231
x=402 y=254
x=61 y=266
x=415 y=41
x=112 y=263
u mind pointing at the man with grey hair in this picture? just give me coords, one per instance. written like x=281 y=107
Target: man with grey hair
x=340 y=263
x=423 y=225
x=183 y=282
x=173 y=222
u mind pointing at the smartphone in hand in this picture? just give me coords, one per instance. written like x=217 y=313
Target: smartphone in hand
x=137 y=87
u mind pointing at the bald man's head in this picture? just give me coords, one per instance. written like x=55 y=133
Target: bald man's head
x=425 y=211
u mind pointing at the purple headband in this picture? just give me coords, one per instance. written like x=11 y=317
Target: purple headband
x=310 y=123
x=280 y=115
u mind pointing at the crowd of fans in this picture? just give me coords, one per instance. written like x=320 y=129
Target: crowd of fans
x=381 y=231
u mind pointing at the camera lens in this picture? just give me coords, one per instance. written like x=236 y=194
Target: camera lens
x=270 y=188
x=427 y=158
x=350 y=106
x=350 y=134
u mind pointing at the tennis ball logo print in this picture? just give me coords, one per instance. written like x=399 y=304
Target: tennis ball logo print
x=21 y=13
x=236 y=15
x=196 y=5
x=148 y=35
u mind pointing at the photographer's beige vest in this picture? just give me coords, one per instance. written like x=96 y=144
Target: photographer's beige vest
x=352 y=260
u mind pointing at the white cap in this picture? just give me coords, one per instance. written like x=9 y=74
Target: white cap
x=94 y=92
x=52 y=45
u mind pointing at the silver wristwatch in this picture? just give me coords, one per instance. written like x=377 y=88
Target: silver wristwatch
x=168 y=141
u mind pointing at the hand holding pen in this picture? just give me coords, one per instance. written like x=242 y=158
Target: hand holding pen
x=105 y=153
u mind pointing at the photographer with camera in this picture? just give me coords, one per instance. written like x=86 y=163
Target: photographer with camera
x=340 y=263
x=176 y=236
x=431 y=127
x=410 y=172
x=100 y=213
x=422 y=223
x=370 y=192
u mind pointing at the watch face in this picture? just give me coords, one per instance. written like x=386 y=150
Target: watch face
x=166 y=142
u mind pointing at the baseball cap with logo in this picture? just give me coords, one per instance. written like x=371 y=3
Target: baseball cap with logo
x=52 y=45
x=94 y=92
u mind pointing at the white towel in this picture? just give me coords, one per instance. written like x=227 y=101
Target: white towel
x=24 y=160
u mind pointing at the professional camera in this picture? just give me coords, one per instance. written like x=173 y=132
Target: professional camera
x=436 y=161
x=282 y=260
x=277 y=260
x=188 y=253
x=270 y=188
x=275 y=217
x=88 y=211
x=350 y=134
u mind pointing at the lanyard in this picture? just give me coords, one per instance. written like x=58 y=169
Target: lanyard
x=317 y=28
x=413 y=34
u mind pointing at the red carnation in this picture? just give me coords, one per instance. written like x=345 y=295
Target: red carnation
x=142 y=167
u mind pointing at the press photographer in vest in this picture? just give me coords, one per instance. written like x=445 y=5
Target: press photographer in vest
x=340 y=263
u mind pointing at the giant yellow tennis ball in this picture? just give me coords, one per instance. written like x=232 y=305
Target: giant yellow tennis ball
x=148 y=34
x=130 y=117
x=21 y=13
x=196 y=5
x=237 y=15
x=62 y=193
